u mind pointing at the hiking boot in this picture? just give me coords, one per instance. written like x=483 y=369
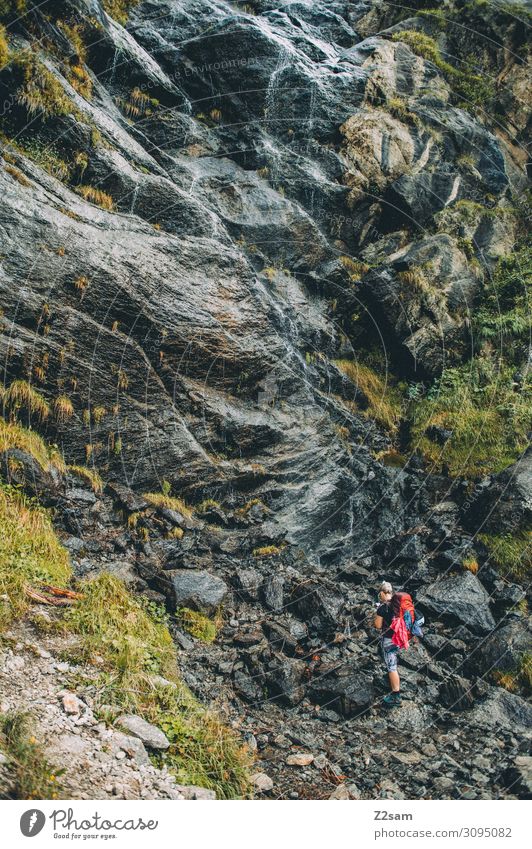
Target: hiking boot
x=392 y=700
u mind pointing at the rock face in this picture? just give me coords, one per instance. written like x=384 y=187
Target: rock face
x=219 y=229
x=461 y=597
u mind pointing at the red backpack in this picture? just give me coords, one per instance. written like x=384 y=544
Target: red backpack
x=404 y=616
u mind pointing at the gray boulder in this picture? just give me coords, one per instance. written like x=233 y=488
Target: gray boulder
x=460 y=597
x=150 y=735
x=504 y=648
x=193 y=588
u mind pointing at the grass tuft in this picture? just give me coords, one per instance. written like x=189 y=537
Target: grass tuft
x=63 y=408
x=96 y=196
x=21 y=395
x=266 y=551
x=160 y=499
x=90 y=476
x=13 y=435
x=34 y=777
x=383 y=402
x=197 y=625
x=511 y=554
x=30 y=552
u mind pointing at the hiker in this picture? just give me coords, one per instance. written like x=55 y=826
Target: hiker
x=383 y=621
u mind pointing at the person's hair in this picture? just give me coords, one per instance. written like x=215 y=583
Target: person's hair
x=386 y=587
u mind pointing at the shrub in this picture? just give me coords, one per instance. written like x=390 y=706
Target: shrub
x=503 y=315
x=34 y=777
x=487 y=419
x=30 y=552
x=383 y=402
x=197 y=625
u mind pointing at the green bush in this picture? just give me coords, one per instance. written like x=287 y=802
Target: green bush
x=511 y=554
x=503 y=315
x=488 y=416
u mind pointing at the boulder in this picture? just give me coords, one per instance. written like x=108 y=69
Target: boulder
x=502 y=709
x=20 y=469
x=343 y=689
x=504 y=649
x=318 y=605
x=503 y=501
x=461 y=598
x=519 y=777
x=456 y=693
x=193 y=588
x=284 y=677
x=150 y=735
x=262 y=782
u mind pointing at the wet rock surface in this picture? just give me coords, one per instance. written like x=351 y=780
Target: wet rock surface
x=195 y=329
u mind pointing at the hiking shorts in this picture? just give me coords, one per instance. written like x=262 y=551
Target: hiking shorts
x=390 y=652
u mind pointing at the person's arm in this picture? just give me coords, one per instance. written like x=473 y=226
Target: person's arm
x=378 y=623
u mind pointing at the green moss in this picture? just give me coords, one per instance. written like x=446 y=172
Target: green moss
x=511 y=554
x=33 y=776
x=489 y=420
x=30 y=553
x=475 y=88
x=197 y=625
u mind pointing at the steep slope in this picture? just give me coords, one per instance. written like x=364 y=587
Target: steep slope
x=255 y=257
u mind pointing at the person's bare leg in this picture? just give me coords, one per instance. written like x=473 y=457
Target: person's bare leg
x=394 y=681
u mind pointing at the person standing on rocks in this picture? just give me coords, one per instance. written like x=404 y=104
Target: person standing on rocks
x=383 y=621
